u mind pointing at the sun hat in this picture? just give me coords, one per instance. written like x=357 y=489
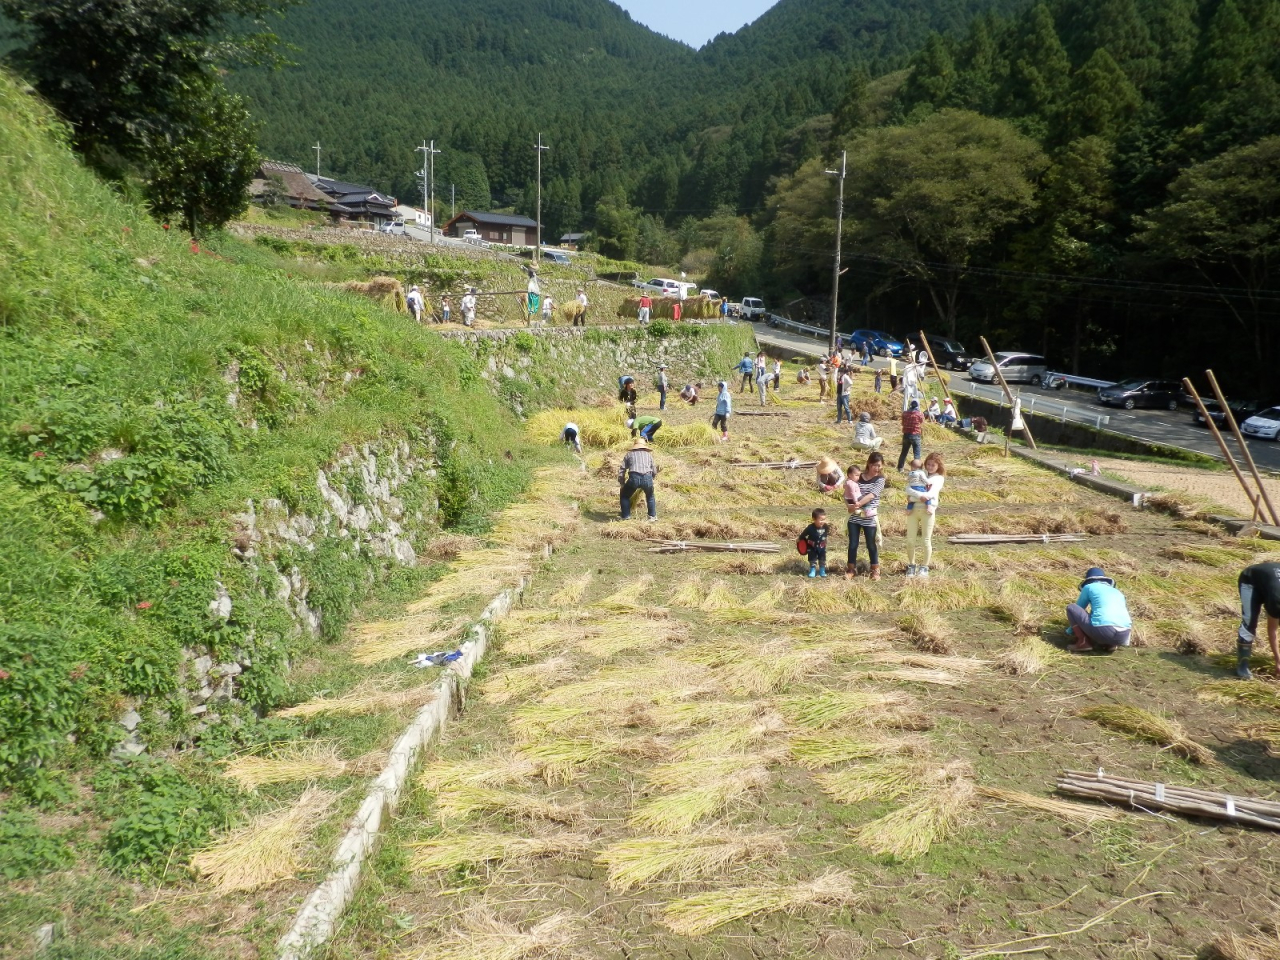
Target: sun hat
x=640 y=444
x=827 y=465
x=1096 y=575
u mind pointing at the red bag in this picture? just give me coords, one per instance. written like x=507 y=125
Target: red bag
x=802 y=546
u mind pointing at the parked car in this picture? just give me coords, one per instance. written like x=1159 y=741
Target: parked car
x=882 y=344
x=555 y=256
x=753 y=309
x=1242 y=410
x=660 y=286
x=1015 y=367
x=395 y=227
x=1264 y=425
x=1141 y=393
x=709 y=294
x=949 y=354
x=473 y=236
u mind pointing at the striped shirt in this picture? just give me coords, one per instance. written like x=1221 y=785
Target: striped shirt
x=638 y=463
x=866 y=514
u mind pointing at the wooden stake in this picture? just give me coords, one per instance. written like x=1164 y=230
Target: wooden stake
x=1026 y=426
x=1248 y=457
x=1222 y=444
x=946 y=391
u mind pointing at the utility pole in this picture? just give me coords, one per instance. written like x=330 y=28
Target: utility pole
x=453 y=201
x=428 y=174
x=426 y=188
x=537 y=255
x=316 y=148
x=835 y=282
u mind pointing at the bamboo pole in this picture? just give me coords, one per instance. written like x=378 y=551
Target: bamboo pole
x=946 y=391
x=1222 y=443
x=1026 y=425
x=1248 y=456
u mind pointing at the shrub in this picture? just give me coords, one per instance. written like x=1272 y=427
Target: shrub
x=661 y=329
x=524 y=341
x=26 y=850
x=161 y=815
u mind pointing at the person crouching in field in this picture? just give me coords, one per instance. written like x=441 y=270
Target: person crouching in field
x=1099 y=619
x=813 y=540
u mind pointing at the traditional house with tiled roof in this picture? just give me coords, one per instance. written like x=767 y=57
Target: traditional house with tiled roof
x=495 y=227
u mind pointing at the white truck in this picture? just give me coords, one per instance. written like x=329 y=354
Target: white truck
x=473 y=236
x=752 y=308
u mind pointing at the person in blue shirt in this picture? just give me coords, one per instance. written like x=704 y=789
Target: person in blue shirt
x=724 y=409
x=1099 y=619
x=746 y=367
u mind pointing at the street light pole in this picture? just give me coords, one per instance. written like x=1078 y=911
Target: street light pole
x=433 y=151
x=426 y=188
x=835 y=281
x=316 y=148
x=537 y=256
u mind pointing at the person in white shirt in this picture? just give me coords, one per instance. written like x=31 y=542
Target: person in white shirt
x=920 y=518
x=469 y=307
x=934 y=412
x=763 y=379
x=581 y=318
x=533 y=301
x=414 y=302
x=548 y=307
x=572 y=437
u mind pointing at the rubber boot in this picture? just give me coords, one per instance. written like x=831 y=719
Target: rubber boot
x=875 y=571
x=1243 y=652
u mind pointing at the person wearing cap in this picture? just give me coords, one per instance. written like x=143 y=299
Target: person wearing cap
x=948 y=417
x=724 y=410
x=912 y=424
x=637 y=473
x=1259 y=589
x=661 y=383
x=414 y=302
x=864 y=434
x=830 y=476
x=1099 y=619
x=646 y=307
x=571 y=436
x=645 y=426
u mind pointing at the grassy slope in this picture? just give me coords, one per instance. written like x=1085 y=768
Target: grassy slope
x=116 y=339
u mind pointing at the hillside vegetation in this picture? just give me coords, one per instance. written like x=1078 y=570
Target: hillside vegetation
x=150 y=391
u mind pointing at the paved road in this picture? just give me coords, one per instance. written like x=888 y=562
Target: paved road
x=1156 y=426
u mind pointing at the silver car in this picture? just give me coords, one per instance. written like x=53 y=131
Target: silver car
x=1016 y=367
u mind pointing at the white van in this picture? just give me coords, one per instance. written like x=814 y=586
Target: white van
x=395 y=227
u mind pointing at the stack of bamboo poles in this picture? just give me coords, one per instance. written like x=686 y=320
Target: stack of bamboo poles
x=694 y=546
x=981 y=539
x=1184 y=800
x=780 y=465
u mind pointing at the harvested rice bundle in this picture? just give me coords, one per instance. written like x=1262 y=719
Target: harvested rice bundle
x=962 y=666
x=534 y=639
x=476 y=572
x=611 y=690
x=769 y=598
x=447 y=546
x=518 y=683
x=883 y=780
x=815 y=753
x=1022 y=614
x=572 y=592
x=833 y=707
x=1264 y=945
x=1187 y=635
x=626 y=596
x=288 y=763
x=929 y=633
x=460 y=801
x=1233 y=691
x=561 y=759
x=1141 y=725
x=689 y=595
x=636 y=863
x=911 y=830
x=612 y=637
x=717 y=740
x=702 y=788
x=744 y=616
x=491 y=770
x=719 y=597
x=265 y=851
x=815 y=599
x=402 y=638
x=678 y=717
x=865 y=599
x=1030 y=656
x=936 y=678
x=1086 y=815
x=485 y=936
x=368 y=697
x=943 y=595
x=743 y=564
x=452 y=850
x=702 y=913
x=779 y=664
x=844 y=630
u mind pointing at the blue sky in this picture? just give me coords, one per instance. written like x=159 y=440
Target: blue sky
x=695 y=21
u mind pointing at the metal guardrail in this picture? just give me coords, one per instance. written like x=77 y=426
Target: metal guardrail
x=1033 y=404
x=1073 y=381
x=795 y=326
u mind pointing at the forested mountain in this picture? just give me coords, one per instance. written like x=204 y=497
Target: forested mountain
x=631 y=116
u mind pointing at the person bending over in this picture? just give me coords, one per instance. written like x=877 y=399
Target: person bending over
x=1259 y=589
x=1099 y=619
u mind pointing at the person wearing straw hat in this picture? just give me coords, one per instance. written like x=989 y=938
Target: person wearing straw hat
x=469 y=308
x=830 y=476
x=1259 y=589
x=637 y=473
x=1099 y=619
x=414 y=302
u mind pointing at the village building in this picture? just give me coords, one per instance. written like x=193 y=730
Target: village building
x=494 y=228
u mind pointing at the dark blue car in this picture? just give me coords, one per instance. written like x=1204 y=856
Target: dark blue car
x=882 y=344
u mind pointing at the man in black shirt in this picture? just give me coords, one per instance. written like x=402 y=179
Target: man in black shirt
x=1259 y=588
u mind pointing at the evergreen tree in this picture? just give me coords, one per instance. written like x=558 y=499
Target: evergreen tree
x=1102 y=101
x=1039 y=71
x=933 y=73
x=981 y=67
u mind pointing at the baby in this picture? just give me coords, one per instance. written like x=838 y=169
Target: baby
x=851 y=491
x=917 y=484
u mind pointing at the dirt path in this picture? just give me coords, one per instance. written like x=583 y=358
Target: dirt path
x=1218 y=488
x=714 y=756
